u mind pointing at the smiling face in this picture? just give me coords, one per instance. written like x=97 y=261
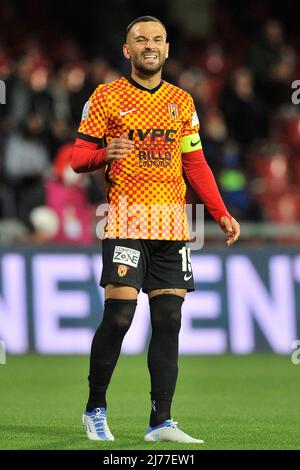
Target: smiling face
x=146 y=47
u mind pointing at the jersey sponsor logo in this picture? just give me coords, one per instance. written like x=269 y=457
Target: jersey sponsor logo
x=153 y=134
x=125 y=255
x=123 y=113
x=173 y=110
x=122 y=270
x=195 y=119
x=149 y=158
x=85 y=111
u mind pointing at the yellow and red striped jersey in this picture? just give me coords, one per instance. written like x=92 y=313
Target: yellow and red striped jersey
x=146 y=191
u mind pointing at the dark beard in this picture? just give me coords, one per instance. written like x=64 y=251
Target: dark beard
x=146 y=71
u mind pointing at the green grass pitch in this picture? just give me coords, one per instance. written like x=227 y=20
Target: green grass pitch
x=232 y=402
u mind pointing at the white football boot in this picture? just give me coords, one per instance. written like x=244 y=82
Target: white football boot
x=96 y=425
x=168 y=431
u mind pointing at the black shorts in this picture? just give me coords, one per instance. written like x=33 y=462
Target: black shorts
x=147 y=264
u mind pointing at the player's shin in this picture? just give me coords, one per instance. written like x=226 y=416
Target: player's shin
x=163 y=354
x=106 y=347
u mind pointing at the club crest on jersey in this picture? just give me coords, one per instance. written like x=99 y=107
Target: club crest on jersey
x=122 y=270
x=173 y=110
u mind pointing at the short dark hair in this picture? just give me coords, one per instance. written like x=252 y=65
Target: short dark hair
x=143 y=19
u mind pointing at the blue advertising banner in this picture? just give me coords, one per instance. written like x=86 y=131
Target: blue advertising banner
x=245 y=301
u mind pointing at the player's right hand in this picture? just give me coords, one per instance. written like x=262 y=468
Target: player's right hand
x=119 y=148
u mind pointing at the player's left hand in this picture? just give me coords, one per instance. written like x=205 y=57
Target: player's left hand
x=231 y=228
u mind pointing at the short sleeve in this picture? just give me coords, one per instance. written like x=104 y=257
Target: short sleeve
x=93 y=123
x=191 y=124
x=190 y=139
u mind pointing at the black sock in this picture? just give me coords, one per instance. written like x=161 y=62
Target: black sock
x=160 y=411
x=106 y=347
x=163 y=354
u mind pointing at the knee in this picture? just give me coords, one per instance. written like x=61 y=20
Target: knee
x=120 y=324
x=118 y=315
x=166 y=313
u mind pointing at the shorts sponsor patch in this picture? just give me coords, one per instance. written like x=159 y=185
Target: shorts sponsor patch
x=85 y=111
x=125 y=255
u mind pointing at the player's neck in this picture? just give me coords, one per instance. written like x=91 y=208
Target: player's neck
x=145 y=81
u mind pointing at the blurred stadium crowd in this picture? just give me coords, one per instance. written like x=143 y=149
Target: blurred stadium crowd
x=242 y=87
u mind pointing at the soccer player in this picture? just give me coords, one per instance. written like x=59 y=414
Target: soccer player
x=145 y=131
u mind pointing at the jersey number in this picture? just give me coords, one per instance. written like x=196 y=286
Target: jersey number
x=186 y=259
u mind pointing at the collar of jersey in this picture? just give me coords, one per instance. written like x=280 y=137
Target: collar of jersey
x=141 y=87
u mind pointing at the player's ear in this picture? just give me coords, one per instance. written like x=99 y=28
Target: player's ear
x=126 y=51
x=167 y=50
